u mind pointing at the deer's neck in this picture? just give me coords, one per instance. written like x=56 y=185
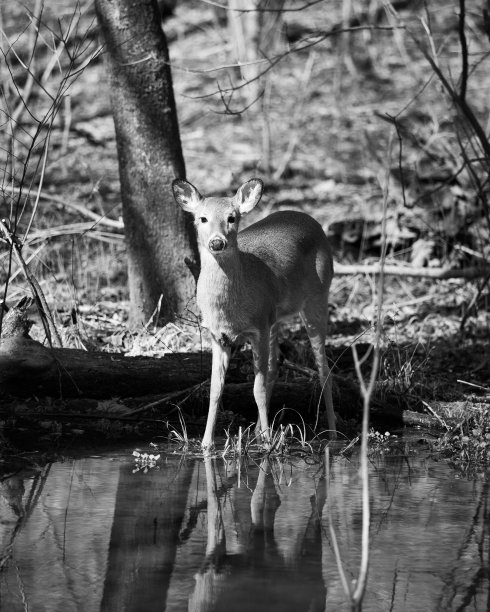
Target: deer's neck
x=220 y=293
x=222 y=273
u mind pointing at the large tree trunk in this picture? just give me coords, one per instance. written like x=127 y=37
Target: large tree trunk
x=159 y=236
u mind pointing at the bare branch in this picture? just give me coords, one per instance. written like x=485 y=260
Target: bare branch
x=400 y=270
x=78 y=208
x=263 y=10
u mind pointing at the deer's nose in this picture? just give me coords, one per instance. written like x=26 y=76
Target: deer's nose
x=217 y=244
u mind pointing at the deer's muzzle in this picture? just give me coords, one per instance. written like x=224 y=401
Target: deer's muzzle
x=217 y=244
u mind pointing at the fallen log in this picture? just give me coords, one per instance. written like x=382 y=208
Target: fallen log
x=28 y=368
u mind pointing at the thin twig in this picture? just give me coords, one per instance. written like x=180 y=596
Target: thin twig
x=400 y=161
x=41 y=181
x=290 y=365
x=464 y=50
x=434 y=413
x=166 y=398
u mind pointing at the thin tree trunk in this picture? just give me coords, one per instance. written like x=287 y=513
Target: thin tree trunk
x=159 y=236
x=255 y=32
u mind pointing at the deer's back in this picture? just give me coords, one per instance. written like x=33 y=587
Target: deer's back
x=285 y=240
x=295 y=248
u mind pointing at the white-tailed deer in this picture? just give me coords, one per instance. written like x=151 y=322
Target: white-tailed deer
x=251 y=279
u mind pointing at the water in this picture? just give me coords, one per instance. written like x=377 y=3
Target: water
x=94 y=534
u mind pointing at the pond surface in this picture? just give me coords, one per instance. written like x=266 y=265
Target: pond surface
x=190 y=534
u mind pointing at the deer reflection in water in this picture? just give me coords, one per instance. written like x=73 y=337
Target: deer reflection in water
x=258 y=572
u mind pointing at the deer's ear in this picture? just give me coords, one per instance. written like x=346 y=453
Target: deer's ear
x=248 y=195
x=186 y=195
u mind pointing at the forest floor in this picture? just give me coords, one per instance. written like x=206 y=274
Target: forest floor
x=323 y=143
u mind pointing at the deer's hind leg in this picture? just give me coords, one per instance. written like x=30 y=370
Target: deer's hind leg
x=265 y=352
x=271 y=373
x=315 y=319
x=272 y=369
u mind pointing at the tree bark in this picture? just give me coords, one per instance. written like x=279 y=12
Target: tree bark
x=159 y=235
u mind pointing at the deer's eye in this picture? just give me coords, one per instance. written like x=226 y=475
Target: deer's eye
x=203 y=220
x=231 y=219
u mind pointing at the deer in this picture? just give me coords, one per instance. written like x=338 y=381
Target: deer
x=252 y=279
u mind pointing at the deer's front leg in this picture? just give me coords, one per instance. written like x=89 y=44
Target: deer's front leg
x=221 y=360
x=260 y=351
